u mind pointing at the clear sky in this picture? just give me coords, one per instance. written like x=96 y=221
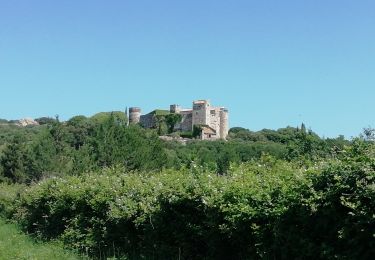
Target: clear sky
x=272 y=63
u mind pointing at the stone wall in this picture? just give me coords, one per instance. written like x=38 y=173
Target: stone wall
x=215 y=120
x=201 y=113
x=148 y=121
x=186 y=121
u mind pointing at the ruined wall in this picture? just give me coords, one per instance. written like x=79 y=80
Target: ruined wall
x=148 y=121
x=187 y=121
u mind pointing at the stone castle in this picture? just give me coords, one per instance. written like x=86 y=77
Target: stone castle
x=212 y=121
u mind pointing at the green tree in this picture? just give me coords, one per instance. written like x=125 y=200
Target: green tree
x=161 y=125
x=80 y=129
x=225 y=158
x=43 y=156
x=13 y=160
x=369 y=133
x=171 y=120
x=197 y=130
x=45 y=120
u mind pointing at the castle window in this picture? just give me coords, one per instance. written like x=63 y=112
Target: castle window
x=212 y=112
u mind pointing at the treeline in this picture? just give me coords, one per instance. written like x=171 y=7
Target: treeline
x=84 y=144
x=112 y=190
x=81 y=144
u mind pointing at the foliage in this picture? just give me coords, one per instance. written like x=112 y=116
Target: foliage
x=7 y=132
x=81 y=144
x=105 y=116
x=197 y=130
x=299 y=142
x=171 y=120
x=160 y=112
x=109 y=189
x=165 y=214
x=186 y=134
x=345 y=193
x=84 y=144
x=369 y=133
x=12 y=161
x=45 y=120
x=165 y=121
x=268 y=208
x=132 y=147
x=9 y=193
x=161 y=125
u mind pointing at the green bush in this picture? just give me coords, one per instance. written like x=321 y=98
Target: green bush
x=191 y=212
x=267 y=209
x=8 y=195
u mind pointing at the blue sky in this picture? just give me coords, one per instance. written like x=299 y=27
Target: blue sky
x=272 y=63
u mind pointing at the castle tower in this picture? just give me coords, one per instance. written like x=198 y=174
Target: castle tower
x=224 y=127
x=201 y=112
x=176 y=109
x=134 y=115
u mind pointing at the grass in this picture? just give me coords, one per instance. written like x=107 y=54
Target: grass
x=187 y=134
x=16 y=245
x=160 y=112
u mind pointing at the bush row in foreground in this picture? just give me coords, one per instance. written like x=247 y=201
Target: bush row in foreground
x=265 y=209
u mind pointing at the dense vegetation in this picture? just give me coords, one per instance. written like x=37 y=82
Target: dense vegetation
x=87 y=144
x=112 y=190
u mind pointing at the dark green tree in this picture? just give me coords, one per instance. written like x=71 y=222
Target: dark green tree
x=224 y=159
x=161 y=125
x=13 y=160
x=45 y=120
x=80 y=129
x=171 y=120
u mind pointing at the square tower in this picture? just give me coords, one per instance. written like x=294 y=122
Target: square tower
x=201 y=112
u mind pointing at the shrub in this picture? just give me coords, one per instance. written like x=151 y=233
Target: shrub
x=8 y=195
x=263 y=209
x=186 y=213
